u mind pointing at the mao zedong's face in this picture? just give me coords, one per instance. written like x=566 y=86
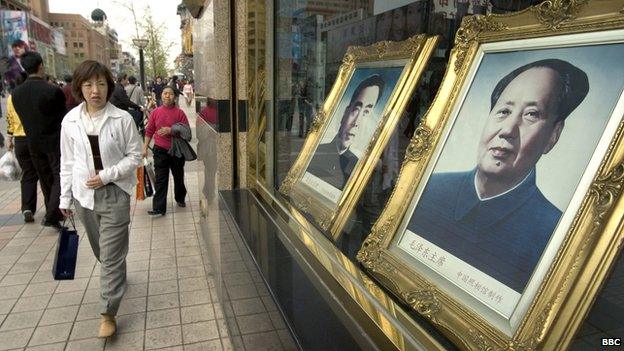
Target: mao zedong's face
x=361 y=107
x=521 y=127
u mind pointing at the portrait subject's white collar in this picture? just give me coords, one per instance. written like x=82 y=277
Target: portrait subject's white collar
x=337 y=143
x=474 y=181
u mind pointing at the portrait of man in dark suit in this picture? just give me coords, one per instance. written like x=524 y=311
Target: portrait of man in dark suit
x=494 y=217
x=333 y=162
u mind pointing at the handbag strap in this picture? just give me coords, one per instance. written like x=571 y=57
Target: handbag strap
x=132 y=91
x=71 y=220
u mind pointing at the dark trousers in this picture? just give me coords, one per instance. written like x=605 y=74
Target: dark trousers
x=28 y=183
x=48 y=166
x=163 y=162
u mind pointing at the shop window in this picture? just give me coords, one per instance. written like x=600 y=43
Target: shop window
x=307 y=62
x=310 y=40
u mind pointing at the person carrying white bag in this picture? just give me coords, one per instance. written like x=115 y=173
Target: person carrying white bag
x=9 y=168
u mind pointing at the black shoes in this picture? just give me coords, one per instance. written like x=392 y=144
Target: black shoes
x=55 y=225
x=29 y=217
x=181 y=204
x=155 y=213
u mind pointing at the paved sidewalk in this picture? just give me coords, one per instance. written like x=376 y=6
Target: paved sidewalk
x=169 y=304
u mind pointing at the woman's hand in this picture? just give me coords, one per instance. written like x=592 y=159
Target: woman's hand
x=67 y=212
x=164 y=131
x=144 y=153
x=95 y=182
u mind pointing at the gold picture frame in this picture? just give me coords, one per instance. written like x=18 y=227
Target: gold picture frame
x=579 y=252
x=400 y=65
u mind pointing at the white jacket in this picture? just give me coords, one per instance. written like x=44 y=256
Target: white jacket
x=120 y=149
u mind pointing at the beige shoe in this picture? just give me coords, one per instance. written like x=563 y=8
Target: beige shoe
x=107 y=326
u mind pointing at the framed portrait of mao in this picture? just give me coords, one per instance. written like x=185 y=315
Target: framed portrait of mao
x=510 y=192
x=352 y=128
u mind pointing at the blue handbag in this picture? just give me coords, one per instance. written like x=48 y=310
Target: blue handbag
x=64 y=266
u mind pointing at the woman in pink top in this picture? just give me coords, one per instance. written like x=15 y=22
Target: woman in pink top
x=159 y=128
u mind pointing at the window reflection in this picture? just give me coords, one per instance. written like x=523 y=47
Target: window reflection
x=310 y=41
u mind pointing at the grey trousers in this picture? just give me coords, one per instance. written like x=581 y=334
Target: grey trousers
x=107 y=228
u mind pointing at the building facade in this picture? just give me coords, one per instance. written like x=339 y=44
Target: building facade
x=128 y=64
x=82 y=40
x=14 y=5
x=184 y=61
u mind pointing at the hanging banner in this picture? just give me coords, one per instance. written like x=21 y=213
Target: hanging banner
x=59 y=41
x=14 y=27
x=40 y=31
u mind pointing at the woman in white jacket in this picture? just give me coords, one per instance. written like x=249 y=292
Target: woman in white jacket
x=100 y=152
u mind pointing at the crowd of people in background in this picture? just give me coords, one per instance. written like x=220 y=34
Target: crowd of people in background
x=181 y=86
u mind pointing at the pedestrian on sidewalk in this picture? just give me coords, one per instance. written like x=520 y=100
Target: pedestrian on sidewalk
x=159 y=128
x=41 y=108
x=100 y=152
x=136 y=95
x=70 y=100
x=120 y=98
x=157 y=89
x=17 y=140
x=188 y=92
x=175 y=85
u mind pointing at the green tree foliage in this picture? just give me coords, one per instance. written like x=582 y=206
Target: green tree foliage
x=157 y=49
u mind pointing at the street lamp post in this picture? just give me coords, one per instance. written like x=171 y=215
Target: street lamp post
x=141 y=44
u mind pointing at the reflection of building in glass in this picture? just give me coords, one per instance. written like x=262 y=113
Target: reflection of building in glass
x=301 y=43
x=332 y=7
x=349 y=29
x=312 y=62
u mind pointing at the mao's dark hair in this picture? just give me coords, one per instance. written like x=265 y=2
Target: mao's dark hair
x=571 y=91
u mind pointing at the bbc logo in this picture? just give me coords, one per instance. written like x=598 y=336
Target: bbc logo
x=611 y=341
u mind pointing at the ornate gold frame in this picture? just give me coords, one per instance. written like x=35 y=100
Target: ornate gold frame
x=416 y=51
x=592 y=242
